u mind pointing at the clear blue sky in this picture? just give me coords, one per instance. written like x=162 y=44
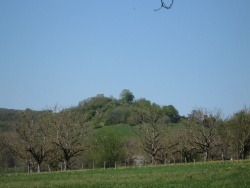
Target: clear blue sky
x=60 y=52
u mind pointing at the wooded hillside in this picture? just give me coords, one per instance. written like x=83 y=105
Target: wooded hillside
x=65 y=137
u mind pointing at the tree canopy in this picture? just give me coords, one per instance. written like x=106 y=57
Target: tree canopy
x=127 y=96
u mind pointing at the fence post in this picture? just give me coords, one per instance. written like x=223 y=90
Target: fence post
x=115 y=165
x=104 y=166
x=93 y=165
x=181 y=157
x=15 y=170
x=49 y=168
x=65 y=166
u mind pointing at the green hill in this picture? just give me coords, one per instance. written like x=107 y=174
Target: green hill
x=7 y=117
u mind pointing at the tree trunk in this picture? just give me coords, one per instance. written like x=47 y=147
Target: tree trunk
x=153 y=161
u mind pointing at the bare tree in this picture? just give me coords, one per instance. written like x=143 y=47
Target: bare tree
x=202 y=129
x=31 y=131
x=152 y=133
x=68 y=134
x=7 y=157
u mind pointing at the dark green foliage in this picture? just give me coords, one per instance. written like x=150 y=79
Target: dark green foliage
x=116 y=115
x=107 y=147
x=96 y=108
x=143 y=111
x=7 y=117
x=101 y=110
x=172 y=113
x=238 y=127
x=126 y=96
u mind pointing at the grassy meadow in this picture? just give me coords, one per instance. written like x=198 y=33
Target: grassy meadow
x=123 y=130
x=210 y=174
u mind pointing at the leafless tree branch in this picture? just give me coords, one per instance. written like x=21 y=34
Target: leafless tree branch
x=163 y=5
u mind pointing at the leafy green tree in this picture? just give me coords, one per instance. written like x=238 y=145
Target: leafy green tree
x=7 y=117
x=164 y=120
x=116 y=115
x=223 y=131
x=238 y=128
x=108 y=147
x=172 y=113
x=127 y=96
x=95 y=108
x=140 y=112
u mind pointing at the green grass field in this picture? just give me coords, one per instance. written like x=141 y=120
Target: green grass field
x=212 y=174
x=124 y=131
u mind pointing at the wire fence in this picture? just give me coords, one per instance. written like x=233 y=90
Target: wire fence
x=33 y=167
x=30 y=168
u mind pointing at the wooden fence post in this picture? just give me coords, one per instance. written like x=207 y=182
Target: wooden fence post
x=49 y=168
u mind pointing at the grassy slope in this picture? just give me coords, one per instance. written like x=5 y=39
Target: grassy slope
x=214 y=174
x=124 y=131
